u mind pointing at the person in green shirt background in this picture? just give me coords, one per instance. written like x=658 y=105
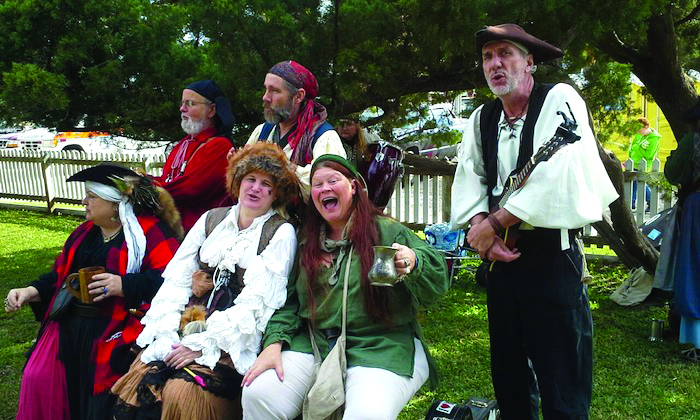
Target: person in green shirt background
x=645 y=145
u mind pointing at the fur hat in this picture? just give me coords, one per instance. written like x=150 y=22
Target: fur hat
x=269 y=159
x=540 y=50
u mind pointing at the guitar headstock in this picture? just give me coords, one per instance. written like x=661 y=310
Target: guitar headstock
x=564 y=135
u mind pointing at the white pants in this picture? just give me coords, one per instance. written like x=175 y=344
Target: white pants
x=370 y=393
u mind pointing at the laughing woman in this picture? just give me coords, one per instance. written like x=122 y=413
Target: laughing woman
x=386 y=356
x=204 y=328
x=83 y=349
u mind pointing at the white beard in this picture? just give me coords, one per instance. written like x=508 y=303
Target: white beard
x=512 y=82
x=192 y=127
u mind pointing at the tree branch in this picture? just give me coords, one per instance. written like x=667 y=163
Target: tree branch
x=693 y=13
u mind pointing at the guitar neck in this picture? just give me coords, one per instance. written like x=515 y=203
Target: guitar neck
x=517 y=181
x=564 y=134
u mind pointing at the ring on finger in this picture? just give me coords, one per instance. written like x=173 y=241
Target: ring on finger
x=105 y=290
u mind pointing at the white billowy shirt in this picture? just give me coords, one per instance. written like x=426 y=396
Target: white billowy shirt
x=569 y=191
x=327 y=143
x=237 y=330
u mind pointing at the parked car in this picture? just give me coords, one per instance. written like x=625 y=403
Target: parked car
x=418 y=137
x=439 y=117
x=79 y=141
x=8 y=139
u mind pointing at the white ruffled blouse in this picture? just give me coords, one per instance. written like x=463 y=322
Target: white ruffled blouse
x=237 y=330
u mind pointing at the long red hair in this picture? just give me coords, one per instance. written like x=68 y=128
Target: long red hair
x=363 y=235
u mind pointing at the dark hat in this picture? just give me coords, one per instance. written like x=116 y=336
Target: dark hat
x=210 y=90
x=540 y=50
x=139 y=189
x=340 y=160
x=103 y=174
x=693 y=114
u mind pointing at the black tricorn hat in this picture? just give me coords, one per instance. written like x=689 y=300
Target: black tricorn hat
x=540 y=50
x=103 y=174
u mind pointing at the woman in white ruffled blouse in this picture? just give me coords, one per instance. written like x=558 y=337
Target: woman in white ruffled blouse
x=231 y=270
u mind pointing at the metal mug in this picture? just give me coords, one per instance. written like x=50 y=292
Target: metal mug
x=657 y=330
x=85 y=277
x=383 y=271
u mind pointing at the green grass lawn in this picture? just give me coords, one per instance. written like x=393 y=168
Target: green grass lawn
x=634 y=378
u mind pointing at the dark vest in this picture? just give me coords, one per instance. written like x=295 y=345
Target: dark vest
x=490 y=116
x=225 y=296
x=268 y=127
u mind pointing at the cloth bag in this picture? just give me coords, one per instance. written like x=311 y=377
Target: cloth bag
x=326 y=397
x=634 y=289
x=665 y=267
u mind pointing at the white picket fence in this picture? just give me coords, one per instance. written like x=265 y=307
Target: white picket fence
x=423 y=199
x=28 y=176
x=419 y=199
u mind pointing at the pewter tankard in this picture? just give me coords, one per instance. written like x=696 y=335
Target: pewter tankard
x=383 y=271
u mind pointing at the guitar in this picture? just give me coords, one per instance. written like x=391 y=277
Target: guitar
x=564 y=135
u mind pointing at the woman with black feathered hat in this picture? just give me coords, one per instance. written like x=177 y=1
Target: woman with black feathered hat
x=132 y=231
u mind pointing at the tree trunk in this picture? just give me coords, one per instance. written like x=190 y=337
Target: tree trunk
x=624 y=238
x=658 y=66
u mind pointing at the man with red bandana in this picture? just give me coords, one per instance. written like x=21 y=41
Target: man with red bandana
x=195 y=171
x=540 y=323
x=294 y=120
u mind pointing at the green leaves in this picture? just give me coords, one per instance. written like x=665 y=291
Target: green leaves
x=32 y=94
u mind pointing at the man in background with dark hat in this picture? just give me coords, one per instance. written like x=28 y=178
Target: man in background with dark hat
x=195 y=171
x=294 y=120
x=539 y=316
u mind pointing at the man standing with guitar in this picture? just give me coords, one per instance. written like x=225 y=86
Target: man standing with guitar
x=529 y=170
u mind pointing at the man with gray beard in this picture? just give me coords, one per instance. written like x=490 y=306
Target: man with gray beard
x=540 y=323
x=195 y=171
x=295 y=120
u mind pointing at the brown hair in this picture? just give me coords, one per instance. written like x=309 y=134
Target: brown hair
x=363 y=235
x=644 y=121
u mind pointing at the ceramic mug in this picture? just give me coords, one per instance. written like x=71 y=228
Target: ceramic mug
x=85 y=276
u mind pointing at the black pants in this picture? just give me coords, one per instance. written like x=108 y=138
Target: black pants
x=541 y=331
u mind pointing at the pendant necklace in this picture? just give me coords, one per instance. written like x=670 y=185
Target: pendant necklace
x=106 y=239
x=512 y=120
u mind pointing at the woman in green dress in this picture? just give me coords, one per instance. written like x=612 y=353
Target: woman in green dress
x=387 y=360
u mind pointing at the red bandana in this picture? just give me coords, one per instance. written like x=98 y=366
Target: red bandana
x=311 y=115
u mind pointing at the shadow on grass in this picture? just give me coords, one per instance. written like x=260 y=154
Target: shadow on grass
x=29 y=244
x=633 y=377
x=456 y=330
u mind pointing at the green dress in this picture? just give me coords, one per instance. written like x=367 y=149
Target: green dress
x=369 y=343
